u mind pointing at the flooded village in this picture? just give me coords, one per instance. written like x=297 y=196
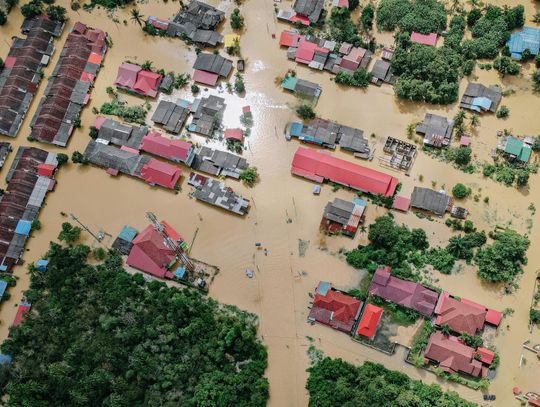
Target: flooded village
x=178 y=173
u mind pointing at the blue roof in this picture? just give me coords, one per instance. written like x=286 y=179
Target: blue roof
x=482 y=103
x=296 y=129
x=128 y=233
x=42 y=265
x=527 y=38
x=5 y=358
x=3 y=267
x=23 y=227
x=323 y=287
x=359 y=201
x=3 y=286
x=180 y=272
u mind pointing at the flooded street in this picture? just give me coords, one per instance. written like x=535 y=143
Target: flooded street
x=278 y=293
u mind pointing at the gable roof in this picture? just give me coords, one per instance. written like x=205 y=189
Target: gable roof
x=311 y=9
x=127 y=75
x=213 y=63
x=460 y=316
x=150 y=254
x=161 y=173
x=407 y=293
x=147 y=83
x=370 y=320
x=430 y=200
x=318 y=166
x=175 y=150
x=425 y=39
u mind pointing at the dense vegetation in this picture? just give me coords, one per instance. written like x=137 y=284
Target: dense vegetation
x=423 y=16
x=100 y=336
x=334 y=383
x=359 y=78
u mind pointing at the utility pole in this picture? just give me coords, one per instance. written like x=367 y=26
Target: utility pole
x=98 y=237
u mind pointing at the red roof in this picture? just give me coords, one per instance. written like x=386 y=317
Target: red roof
x=317 y=166
x=401 y=203
x=534 y=402
x=127 y=75
x=246 y=109
x=99 y=121
x=370 y=320
x=305 y=51
x=234 y=134
x=302 y=19
x=429 y=39
x=207 y=78
x=147 y=83
x=403 y=292
x=160 y=173
x=171 y=232
x=453 y=356
x=335 y=309
x=460 y=316
x=289 y=38
x=21 y=312
x=95 y=58
x=10 y=61
x=150 y=254
x=486 y=355
x=176 y=150
x=45 y=170
x=493 y=317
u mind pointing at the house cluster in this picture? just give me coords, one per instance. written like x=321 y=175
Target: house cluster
x=206 y=115
x=132 y=78
x=480 y=98
x=516 y=150
x=429 y=200
x=29 y=179
x=306 y=12
x=329 y=134
x=301 y=87
x=526 y=38
x=343 y=217
x=449 y=352
x=197 y=23
x=209 y=68
x=67 y=91
x=216 y=193
x=22 y=71
x=319 y=166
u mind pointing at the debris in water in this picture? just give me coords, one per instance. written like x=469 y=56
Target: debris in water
x=302 y=247
x=249 y=273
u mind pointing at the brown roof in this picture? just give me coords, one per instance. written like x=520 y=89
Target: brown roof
x=407 y=293
x=460 y=317
x=453 y=356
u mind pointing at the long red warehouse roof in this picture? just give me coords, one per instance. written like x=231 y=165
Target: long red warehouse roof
x=317 y=166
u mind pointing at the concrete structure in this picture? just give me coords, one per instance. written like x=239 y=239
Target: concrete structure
x=198 y=23
x=218 y=162
x=343 y=217
x=432 y=201
x=437 y=130
x=216 y=193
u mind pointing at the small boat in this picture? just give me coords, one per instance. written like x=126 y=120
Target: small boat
x=249 y=273
x=240 y=65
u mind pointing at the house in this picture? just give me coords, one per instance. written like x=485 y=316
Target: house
x=334 y=308
x=485 y=356
x=20 y=76
x=234 y=135
x=197 y=22
x=216 y=193
x=515 y=149
x=318 y=166
x=343 y=217
x=111 y=131
x=424 y=39
x=126 y=161
x=356 y=58
x=124 y=242
x=387 y=54
x=302 y=87
x=340 y=3
x=402 y=292
x=158 y=23
x=157 y=172
x=22 y=310
x=171 y=116
x=171 y=149
x=290 y=38
x=29 y=179
x=69 y=86
x=218 y=162
x=5 y=149
x=453 y=356
x=480 y=98
x=369 y=321
x=429 y=200
x=214 y=64
x=401 y=203
x=150 y=253
x=133 y=78
x=381 y=73
x=207 y=113
x=437 y=130
x=311 y=9
x=526 y=38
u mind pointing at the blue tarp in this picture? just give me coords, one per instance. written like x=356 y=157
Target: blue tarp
x=316 y=189
x=5 y=358
x=359 y=202
x=128 y=233
x=323 y=287
x=3 y=268
x=180 y=272
x=481 y=103
x=3 y=286
x=296 y=129
x=41 y=265
x=528 y=38
x=23 y=227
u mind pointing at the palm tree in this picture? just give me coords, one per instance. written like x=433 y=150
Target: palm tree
x=363 y=229
x=136 y=16
x=475 y=120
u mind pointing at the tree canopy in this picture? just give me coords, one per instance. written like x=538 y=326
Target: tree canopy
x=423 y=16
x=335 y=383
x=97 y=335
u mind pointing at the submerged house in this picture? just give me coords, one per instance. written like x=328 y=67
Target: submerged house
x=218 y=163
x=29 y=179
x=69 y=86
x=453 y=356
x=172 y=149
x=343 y=217
x=367 y=326
x=309 y=9
x=207 y=114
x=319 y=166
x=171 y=116
x=382 y=73
x=216 y=193
x=303 y=88
x=480 y=98
x=210 y=67
x=111 y=131
x=431 y=201
x=133 y=78
x=334 y=308
x=424 y=39
x=526 y=38
x=198 y=23
x=21 y=73
x=437 y=130
x=402 y=292
x=515 y=150
x=5 y=149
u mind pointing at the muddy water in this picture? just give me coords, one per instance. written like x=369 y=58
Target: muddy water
x=279 y=291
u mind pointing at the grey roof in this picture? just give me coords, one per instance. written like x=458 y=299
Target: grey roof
x=218 y=194
x=121 y=134
x=430 y=200
x=5 y=149
x=213 y=63
x=217 y=162
x=312 y=9
x=171 y=115
x=339 y=211
x=353 y=140
x=207 y=114
x=382 y=73
x=437 y=130
x=307 y=88
x=107 y=156
x=200 y=14
x=493 y=93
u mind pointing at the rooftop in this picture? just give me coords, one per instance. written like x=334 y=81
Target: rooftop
x=150 y=253
x=370 y=319
x=461 y=317
x=437 y=130
x=430 y=200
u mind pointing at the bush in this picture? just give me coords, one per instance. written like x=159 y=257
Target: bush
x=488 y=170
x=506 y=66
x=366 y=18
x=237 y=20
x=305 y=112
x=56 y=13
x=61 y=159
x=502 y=112
x=460 y=191
x=239 y=85
x=195 y=89
x=360 y=78
x=250 y=176
x=78 y=158
x=423 y=16
x=534 y=316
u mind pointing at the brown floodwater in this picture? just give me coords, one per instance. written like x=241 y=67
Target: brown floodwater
x=278 y=293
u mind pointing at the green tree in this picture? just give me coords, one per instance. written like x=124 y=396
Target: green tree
x=250 y=176
x=536 y=80
x=31 y=9
x=69 y=233
x=463 y=156
x=366 y=18
x=237 y=20
x=305 y=112
x=461 y=191
x=239 y=85
x=56 y=13
x=502 y=112
x=78 y=158
x=61 y=159
x=360 y=78
x=506 y=66
x=3 y=17
x=136 y=16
